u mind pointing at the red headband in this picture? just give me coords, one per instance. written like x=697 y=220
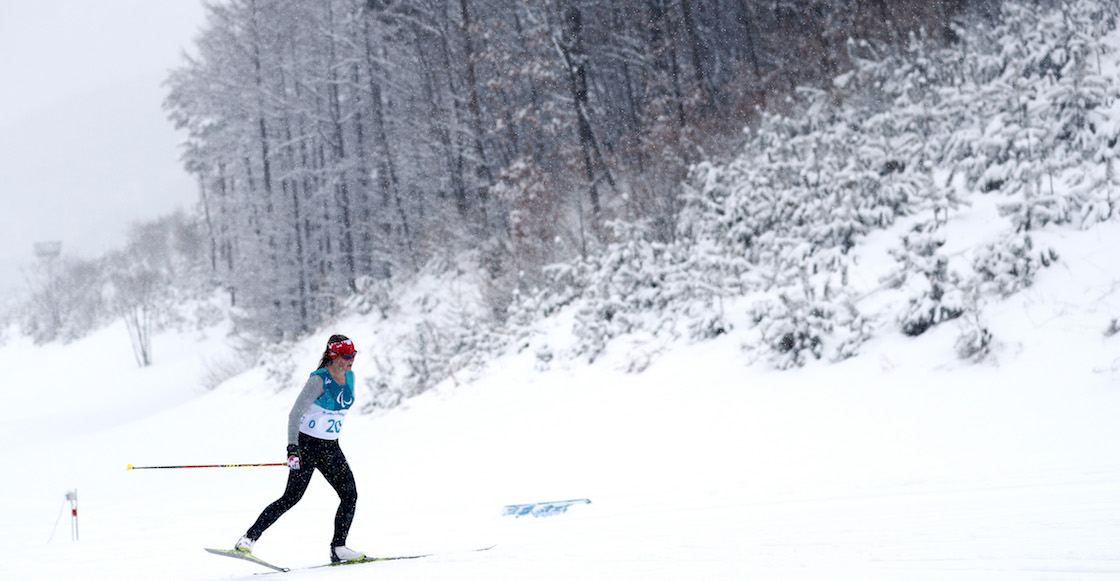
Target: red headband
x=345 y=347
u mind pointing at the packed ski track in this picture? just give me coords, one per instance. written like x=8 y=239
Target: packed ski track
x=902 y=463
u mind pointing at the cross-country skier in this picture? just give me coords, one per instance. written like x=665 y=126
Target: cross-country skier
x=313 y=427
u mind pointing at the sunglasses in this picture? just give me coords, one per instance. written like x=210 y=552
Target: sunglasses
x=349 y=357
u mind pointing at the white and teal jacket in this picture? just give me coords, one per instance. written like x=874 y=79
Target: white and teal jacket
x=321 y=407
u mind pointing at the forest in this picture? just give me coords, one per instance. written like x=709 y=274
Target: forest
x=663 y=157
x=340 y=143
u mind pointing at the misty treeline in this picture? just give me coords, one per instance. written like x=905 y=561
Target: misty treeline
x=342 y=142
x=152 y=282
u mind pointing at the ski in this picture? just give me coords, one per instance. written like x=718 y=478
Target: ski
x=235 y=554
x=370 y=560
x=395 y=558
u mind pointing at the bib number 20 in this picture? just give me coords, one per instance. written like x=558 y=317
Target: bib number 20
x=333 y=426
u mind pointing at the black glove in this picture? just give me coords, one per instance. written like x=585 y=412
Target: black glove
x=293 y=456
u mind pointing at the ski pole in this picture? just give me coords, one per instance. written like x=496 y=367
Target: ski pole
x=131 y=467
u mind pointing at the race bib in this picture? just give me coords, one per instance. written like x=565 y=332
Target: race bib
x=322 y=423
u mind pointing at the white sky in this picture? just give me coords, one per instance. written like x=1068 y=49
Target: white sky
x=85 y=147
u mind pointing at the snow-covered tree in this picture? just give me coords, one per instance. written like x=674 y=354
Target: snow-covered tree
x=1007 y=266
x=935 y=293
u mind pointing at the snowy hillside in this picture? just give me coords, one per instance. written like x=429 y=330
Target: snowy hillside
x=899 y=464
x=729 y=435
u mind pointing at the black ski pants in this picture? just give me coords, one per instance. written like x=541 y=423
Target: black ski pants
x=325 y=456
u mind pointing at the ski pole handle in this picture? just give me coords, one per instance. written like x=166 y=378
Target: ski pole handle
x=131 y=467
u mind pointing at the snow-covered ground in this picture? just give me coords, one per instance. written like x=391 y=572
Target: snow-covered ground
x=902 y=463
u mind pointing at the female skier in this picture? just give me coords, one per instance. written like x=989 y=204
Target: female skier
x=313 y=427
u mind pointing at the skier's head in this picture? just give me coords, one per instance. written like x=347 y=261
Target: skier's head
x=337 y=346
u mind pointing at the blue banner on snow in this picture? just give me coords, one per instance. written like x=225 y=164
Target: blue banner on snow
x=542 y=508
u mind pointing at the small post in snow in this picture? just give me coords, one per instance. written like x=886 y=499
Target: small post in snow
x=72 y=496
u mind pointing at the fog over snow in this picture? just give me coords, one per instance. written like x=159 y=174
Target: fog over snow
x=85 y=146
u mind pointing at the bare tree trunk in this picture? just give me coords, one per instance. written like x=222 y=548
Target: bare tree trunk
x=387 y=165
x=482 y=169
x=342 y=188
x=570 y=48
x=696 y=43
x=205 y=202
